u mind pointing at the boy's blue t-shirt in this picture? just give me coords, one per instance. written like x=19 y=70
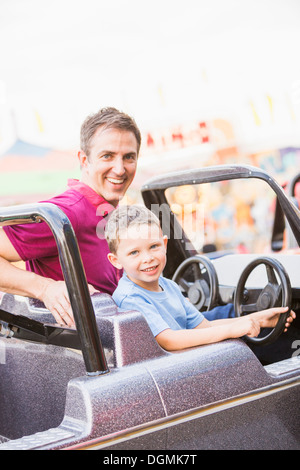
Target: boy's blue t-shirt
x=162 y=310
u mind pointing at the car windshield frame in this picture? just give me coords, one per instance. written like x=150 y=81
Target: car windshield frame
x=154 y=194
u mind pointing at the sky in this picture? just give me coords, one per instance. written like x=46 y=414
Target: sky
x=165 y=62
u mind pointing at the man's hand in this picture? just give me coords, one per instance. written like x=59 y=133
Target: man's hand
x=18 y=281
x=56 y=299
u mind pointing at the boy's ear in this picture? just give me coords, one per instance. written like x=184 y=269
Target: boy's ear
x=114 y=260
x=165 y=240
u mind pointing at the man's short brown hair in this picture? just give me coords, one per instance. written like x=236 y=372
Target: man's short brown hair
x=108 y=118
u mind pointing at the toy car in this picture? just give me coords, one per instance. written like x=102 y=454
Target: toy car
x=108 y=385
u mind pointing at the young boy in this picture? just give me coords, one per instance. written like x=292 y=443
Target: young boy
x=137 y=245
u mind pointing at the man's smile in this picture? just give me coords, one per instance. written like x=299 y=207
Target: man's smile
x=115 y=180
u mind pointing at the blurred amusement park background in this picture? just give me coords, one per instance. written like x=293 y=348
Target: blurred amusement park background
x=208 y=82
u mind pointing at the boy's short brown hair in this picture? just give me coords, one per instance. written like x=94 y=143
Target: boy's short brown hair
x=108 y=118
x=122 y=218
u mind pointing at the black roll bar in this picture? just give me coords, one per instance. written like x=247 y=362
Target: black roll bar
x=73 y=272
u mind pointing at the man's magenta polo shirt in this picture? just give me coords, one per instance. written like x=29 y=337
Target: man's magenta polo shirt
x=85 y=209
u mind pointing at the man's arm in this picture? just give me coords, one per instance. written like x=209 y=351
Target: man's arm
x=18 y=281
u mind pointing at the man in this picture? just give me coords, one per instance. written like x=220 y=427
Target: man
x=109 y=147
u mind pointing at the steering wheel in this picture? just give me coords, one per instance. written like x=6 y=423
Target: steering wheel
x=274 y=294
x=197 y=277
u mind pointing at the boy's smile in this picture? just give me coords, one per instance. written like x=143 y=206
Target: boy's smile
x=142 y=255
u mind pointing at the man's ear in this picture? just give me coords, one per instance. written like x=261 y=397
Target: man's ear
x=114 y=260
x=83 y=159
